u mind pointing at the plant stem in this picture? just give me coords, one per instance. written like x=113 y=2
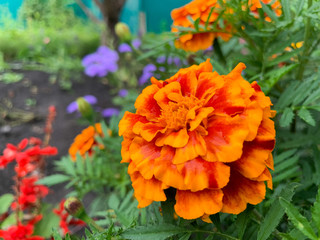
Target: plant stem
x=305 y=53
x=218 y=51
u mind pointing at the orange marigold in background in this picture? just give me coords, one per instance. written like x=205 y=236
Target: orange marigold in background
x=85 y=141
x=275 y=6
x=208 y=136
x=197 y=9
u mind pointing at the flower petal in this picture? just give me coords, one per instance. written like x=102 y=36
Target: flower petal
x=128 y=121
x=191 y=205
x=162 y=96
x=225 y=139
x=195 y=147
x=147 y=191
x=199 y=174
x=174 y=139
x=241 y=191
x=146 y=105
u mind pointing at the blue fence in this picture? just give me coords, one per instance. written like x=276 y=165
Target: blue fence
x=155 y=14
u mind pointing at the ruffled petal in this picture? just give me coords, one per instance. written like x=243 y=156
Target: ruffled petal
x=208 y=84
x=241 y=191
x=202 y=113
x=191 y=205
x=195 y=147
x=147 y=191
x=143 y=154
x=128 y=121
x=225 y=139
x=199 y=174
x=174 y=139
x=166 y=171
x=148 y=130
x=146 y=105
x=162 y=95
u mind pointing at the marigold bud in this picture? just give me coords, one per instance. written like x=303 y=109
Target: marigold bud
x=75 y=208
x=123 y=32
x=84 y=108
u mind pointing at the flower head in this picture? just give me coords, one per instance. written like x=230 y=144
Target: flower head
x=197 y=9
x=85 y=141
x=109 y=112
x=208 y=136
x=100 y=63
x=124 y=47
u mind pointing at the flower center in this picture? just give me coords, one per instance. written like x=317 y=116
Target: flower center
x=176 y=113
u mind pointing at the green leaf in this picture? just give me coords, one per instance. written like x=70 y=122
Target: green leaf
x=289 y=173
x=286 y=9
x=286 y=117
x=305 y=115
x=53 y=179
x=158 y=232
x=299 y=221
x=242 y=222
x=275 y=213
x=207 y=21
x=315 y=210
x=274 y=76
x=5 y=202
x=48 y=222
x=300 y=6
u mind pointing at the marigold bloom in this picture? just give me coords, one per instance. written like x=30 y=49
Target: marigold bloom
x=275 y=6
x=209 y=136
x=197 y=9
x=85 y=141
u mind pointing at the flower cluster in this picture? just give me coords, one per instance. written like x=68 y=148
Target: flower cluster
x=207 y=136
x=195 y=10
x=28 y=155
x=85 y=141
x=101 y=62
x=21 y=232
x=66 y=220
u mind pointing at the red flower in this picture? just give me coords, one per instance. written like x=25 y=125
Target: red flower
x=21 y=232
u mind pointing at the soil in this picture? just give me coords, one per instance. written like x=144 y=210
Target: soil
x=23 y=110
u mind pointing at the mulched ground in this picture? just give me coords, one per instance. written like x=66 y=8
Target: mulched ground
x=24 y=107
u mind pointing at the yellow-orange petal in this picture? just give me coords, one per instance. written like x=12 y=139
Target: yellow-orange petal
x=176 y=139
x=241 y=191
x=148 y=130
x=143 y=154
x=167 y=172
x=128 y=121
x=191 y=205
x=266 y=131
x=147 y=191
x=208 y=83
x=161 y=97
x=225 y=139
x=265 y=176
x=269 y=162
x=195 y=147
x=253 y=160
x=253 y=114
x=125 y=154
x=201 y=114
x=199 y=174
x=145 y=103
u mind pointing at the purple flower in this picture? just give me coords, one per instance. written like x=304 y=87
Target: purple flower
x=73 y=107
x=123 y=93
x=147 y=73
x=136 y=43
x=109 y=112
x=124 y=47
x=161 y=59
x=170 y=60
x=101 y=62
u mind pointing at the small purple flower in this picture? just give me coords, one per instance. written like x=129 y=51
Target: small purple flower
x=109 y=112
x=136 y=43
x=147 y=73
x=123 y=93
x=170 y=60
x=161 y=59
x=73 y=107
x=101 y=62
x=124 y=47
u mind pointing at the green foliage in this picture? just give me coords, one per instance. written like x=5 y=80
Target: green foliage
x=5 y=202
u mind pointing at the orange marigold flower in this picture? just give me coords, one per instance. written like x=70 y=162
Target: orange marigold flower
x=275 y=6
x=85 y=141
x=208 y=136
x=197 y=9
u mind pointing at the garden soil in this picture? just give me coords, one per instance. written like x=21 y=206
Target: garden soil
x=23 y=111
